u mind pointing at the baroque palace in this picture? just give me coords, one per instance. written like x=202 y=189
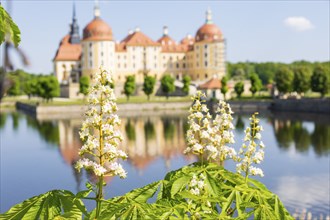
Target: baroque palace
x=201 y=57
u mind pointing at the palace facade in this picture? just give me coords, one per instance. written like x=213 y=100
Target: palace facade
x=202 y=57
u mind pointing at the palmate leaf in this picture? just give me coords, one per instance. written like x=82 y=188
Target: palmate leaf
x=55 y=204
x=7 y=26
x=144 y=193
x=179 y=184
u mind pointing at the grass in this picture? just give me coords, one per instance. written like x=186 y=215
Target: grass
x=10 y=101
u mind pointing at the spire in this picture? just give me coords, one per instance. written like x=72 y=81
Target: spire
x=208 y=16
x=97 y=12
x=165 y=31
x=74 y=28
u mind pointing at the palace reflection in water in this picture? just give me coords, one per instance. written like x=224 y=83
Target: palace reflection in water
x=294 y=144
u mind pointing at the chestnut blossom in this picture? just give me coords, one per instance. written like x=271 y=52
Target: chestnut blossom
x=100 y=131
x=210 y=137
x=251 y=151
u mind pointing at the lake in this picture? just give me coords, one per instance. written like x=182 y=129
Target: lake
x=39 y=155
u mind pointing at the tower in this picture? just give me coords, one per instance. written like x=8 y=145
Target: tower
x=74 y=30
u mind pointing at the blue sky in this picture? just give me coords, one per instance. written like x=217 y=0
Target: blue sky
x=277 y=31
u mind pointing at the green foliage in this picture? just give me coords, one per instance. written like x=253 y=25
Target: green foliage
x=30 y=87
x=56 y=204
x=167 y=84
x=227 y=196
x=129 y=86
x=224 y=86
x=149 y=85
x=284 y=79
x=301 y=80
x=84 y=85
x=320 y=81
x=256 y=84
x=8 y=27
x=14 y=90
x=48 y=87
x=239 y=88
x=186 y=83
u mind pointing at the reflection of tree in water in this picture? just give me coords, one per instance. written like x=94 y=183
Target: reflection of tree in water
x=301 y=136
x=169 y=128
x=185 y=126
x=15 y=117
x=321 y=139
x=130 y=131
x=287 y=132
x=48 y=130
x=3 y=118
x=240 y=124
x=149 y=130
x=284 y=134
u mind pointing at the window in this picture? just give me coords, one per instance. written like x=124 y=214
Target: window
x=133 y=65
x=197 y=47
x=155 y=65
x=102 y=54
x=118 y=57
x=184 y=65
x=177 y=66
x=205 y=46
x=206 y=75
x=197 y=64
x=90 y=54
x=163 y=57
x=90 y=45
x=90 y=63
x=197 y=76
x=205 y=54
x=155 y=57
x=125 y=65
x=164 y=65
x=133 y=57
x=118 y=65
x=177 y=77
x=205 y=63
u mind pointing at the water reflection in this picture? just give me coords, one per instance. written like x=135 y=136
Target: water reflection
x=154 y=142
x=296 y=132
x=147 y=138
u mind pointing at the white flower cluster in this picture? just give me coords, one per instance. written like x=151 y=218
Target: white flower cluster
x=196 y=185
x=99 y=130
x=251 y=151
x=210 y=137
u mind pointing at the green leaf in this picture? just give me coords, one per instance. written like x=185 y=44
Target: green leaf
x=8 y=27
x=52 y=204
x=144 y=193
x=179 y=184
x=83 y=194
x=212 y=186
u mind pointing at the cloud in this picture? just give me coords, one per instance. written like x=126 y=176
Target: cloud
x=298 y=23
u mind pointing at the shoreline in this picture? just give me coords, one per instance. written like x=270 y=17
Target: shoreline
x=318 y=106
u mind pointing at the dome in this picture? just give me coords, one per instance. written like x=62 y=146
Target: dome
x=97 y=30
x=208 y=32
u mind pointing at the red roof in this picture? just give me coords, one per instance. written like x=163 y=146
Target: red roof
x=137 y=38
x=67 y=51
x=213 y=83
x=208 y=32
x=97 y=29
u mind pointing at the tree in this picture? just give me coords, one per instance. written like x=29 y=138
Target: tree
x=167 y=84
x=283 y=79
x=256 y=83
x=84 y=85
x=320 y=80
x=129 y=86
x=301 y=80
x=239 y=88
x=48 y=87
x=149 y=85
x=224 y=86
x=186 y=83
x=30 y=87
x=14 y=90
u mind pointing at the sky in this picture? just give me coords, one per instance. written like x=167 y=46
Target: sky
x=255 y=31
